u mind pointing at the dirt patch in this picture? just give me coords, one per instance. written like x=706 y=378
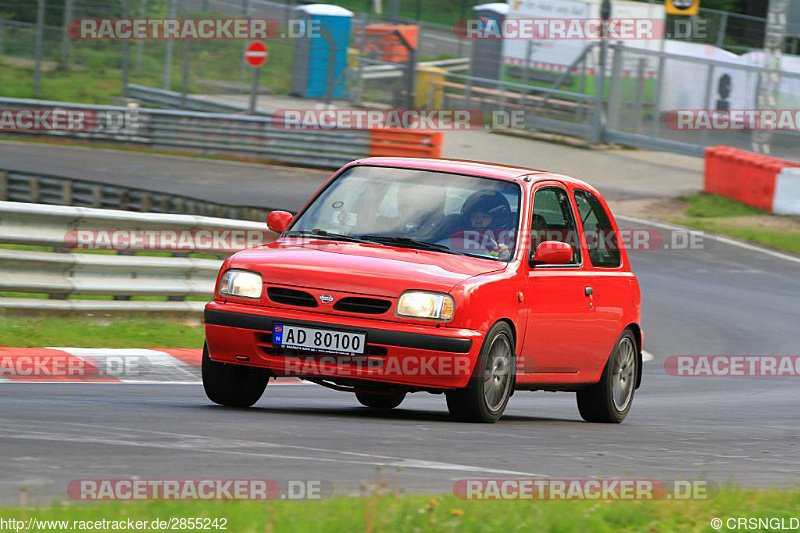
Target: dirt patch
x=776 y=223
x=674 y=210
x=652 y=208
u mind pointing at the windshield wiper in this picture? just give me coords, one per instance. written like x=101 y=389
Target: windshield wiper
x=323 y=234
x=412 y=243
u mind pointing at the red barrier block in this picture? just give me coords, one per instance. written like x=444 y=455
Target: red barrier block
x=398 y=142
x=744 y=176
x=720 y=173
x=713 y=164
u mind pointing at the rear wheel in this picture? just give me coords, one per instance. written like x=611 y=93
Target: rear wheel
x=485 y=397
x=611 y=398
x=232 y=385
x=380 y=401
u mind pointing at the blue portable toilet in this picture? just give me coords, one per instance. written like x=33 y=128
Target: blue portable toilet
x=487 y=56
x=314 y=61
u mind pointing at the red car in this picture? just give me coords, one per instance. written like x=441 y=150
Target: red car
x=404 y=275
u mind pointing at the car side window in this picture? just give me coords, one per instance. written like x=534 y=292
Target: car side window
x=601 y=240
x=553 y=220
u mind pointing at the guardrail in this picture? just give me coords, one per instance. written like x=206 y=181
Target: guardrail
x=174 y=100
x=383 y=70
x=40 y=262
x=263 y=137
x=19 y=186
x=254 y=137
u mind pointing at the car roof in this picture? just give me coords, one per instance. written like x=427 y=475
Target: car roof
x=475 y=168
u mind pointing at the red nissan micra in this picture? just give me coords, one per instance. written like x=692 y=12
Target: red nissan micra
x=405 y=275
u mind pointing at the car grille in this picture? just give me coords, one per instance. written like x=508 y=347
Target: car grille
x=367 y=306
x=291 y=297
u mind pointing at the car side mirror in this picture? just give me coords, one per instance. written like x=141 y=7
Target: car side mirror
x=278 y=221
x=553 y=253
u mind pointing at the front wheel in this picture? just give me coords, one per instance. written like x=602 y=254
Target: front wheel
x=232 y=385
x=610 y=399
x=380 y=401
x=485 y=397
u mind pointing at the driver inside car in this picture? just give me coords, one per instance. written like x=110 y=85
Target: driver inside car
x=485 y=218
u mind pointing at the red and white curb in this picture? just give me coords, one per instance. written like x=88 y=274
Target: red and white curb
x=175 y=366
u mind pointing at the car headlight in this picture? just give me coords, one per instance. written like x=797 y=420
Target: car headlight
x=241 y=284
x=419 y=304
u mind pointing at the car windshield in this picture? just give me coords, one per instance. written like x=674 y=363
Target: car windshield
x=449 y=213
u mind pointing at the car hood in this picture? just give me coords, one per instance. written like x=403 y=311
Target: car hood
x=360 y=268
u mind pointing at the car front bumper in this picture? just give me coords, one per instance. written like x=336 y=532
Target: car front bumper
x=424 y=356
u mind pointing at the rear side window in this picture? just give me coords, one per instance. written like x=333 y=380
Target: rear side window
x=601 y=241
x=553 y=220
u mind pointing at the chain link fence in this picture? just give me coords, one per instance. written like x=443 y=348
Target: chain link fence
x=384 y=54
x=31 y=36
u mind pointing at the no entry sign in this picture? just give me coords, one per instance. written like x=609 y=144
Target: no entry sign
x=256 y=54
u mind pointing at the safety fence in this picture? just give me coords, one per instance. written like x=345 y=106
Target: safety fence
x=623 y=95
x=261 y=138
x=43 y=266
x=175 y=100
x=253 y=137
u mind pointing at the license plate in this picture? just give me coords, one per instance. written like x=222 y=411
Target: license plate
x=318 y=340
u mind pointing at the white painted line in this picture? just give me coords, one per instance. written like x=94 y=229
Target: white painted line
x=120 y=352
x=719 y=238
x=82 y=434
x=647 y=356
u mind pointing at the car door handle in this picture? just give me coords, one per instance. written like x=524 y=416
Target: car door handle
x=588 y=291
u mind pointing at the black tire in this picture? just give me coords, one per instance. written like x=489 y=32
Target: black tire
x=232 y=385
x=380 y=401
x=597 y=403
x=471 y=403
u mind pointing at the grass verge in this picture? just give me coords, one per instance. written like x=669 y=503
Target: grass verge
x=400 y=513
x=95 y=333
x=96 y=72
x=725 y=216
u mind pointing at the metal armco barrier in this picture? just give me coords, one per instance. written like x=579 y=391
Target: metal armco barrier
x=255 y=137
x=174 y=100
x=19 y=186
x=62 y=275
x=259 y=137
x=747 y=177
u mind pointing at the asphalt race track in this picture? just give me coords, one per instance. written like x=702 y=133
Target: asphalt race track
x=257 y=185
x=725 y=300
